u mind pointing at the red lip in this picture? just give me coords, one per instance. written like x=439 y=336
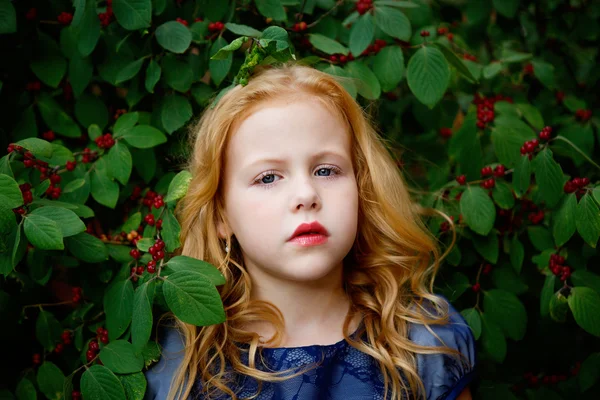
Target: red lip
x=313 y=227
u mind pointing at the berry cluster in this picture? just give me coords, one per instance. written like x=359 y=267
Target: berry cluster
x=363 y=6
x=461 y=179
x=342 y=59
x=498 y=172
x=487 y=268
x=442 y=30
x=137 y=191
x=446 y=132
x=445 y=226
x=529 y=147
x=31 y=14
x=34 y=86
x=102 y=334
x=65 y=18
x=88 y=155
x=105 y=141
x=425 y=33
x=300 y=26
x=157 y=250
x=77 y=293
x=36 y=359
x=92 y=350
x=66 y=340
x=49 y=136
x=119 y=112
x=476 y=287
x=182 y=21
x=470 y=57
x=26 y=191
x=216 y=26
x=106 y=17
x=485 y=108
x=583 y=115
x=375 y=47
x=133 y=237
x=545 y=133
x=536 y=217
x=71 y=165
x=558 y=268
x=576 y=185
x=152 y=198
x=528 y=69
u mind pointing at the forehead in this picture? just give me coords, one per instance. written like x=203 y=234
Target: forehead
x=287 y=128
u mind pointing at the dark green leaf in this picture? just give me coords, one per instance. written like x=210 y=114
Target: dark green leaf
x=47 y=330
x=508 y=136
x=174 y=36
x=104 y=190
x=492 y=339
x=388 y=66
x=153 y=72
x=178 y=186
x=87 y=247
x=522 y=176
x=120 y=162
x=141 y=322
x=549 y=177
x=133 y=14
x=589 y=372
x=365 y=80
x=547 y=294
x=118 y=306
x=125 y=123
x=585 y=306
x=587 y=219
x=11 y=193
x=327 y=45
x=67 y=221
x=56 y=118
x=478 y=210
x=25 y=390
x=487 y=246
x=50 y=381
x=582 y=277
x=456 y=62
x=503 y=195
x=517 y=254
x=8 y=17
x=271 y=9
x=175 y=112
x=81 y=71
x=507 y=311
x=43 y=233
x=507 y=8
x=89 y=110
x=563 y=222
x=393 y=22
x=428 y=75
x=242 y=30
x=130 y=70
x=134 y=385
x=185 y=263
x=121 y=357
x=219 y=68
x=99 y=383
x=362 y=34
x=471 y=315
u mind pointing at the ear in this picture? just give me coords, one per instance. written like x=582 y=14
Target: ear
x=223 y=230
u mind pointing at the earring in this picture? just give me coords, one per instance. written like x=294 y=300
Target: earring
x=226 y=248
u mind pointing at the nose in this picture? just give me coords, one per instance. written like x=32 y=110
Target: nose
x=306 y=196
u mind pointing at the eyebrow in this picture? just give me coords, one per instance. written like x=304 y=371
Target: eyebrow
x=317 y=156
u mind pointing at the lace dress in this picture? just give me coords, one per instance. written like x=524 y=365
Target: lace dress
x=344 y=373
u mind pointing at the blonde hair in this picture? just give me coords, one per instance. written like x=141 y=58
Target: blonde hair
x=387 y=274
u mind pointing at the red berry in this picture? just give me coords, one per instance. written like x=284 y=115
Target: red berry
x=446 y=132
x=500 y=170
x=450 y=36
x=462 y=179
x=150 y=268
x=140 y=270
x=71 y=165
x=93 y=345
x=424 y=33
x=37 y=359
x=31 y=14
x=476 y=287
x=65 y=18
x=89 y=355
x=59 y=348
x=135 y=253
x=485 y=171
x=159 y=224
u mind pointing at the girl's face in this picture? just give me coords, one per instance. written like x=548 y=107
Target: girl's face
x=288 y=164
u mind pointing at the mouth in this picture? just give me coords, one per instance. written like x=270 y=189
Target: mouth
x=306 y=231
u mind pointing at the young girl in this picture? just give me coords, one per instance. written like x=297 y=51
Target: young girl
x=329 y=269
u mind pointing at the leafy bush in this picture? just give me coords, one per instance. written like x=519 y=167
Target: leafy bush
x=490 y=101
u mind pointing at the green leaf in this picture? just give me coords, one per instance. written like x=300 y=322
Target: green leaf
x=346 y=80
x=50 y=381
x=492 y=69
x=582 y=277
x=456 y=62
x=517 y=254
x=531 y=115
x=177 y=74
x=56 y=118
x=176 y=110
x=67 y=221
x=8 y=17
x=388 y=66
x=86 y=29
x=547 y=294
x=558 y=307
x=125 y=123
x=487 y=246
x=47 y=330
x=271 y=9
x=504 y=277
x=178 y=186
x=585 y=306
x=141 y=322
x=503 y=195
x=185 y=263
x=393 y=22
x=471 y=315
x=120 y=162
x=91 y=110
x=563 y=222
x=396 y=3
x=589 y=372
x=8 y=220
x=507 y=8
x=25 y=390
x=11 y=194
x=549 y=177
x=134 y=385
x=224 y=51
x=99 y=383
x=428 y=75
x=130 y=70
x=145 y=243
x=193 y=298
x=507 y=311
x=144 y=136
x=478 y=210
x=508 y=135
x=455 y=286
x=522 y=176
x=365 y=80
x=153 y=72
x=544 y=72
x=362 y=34
x=133 y=14
x=219 y=68
x=118 y=306
x=49 y=67
x=121 y=357
x=43 y=233
x=174 y=37
x=151 y=353
x=587 y=219
x=104 y=190
x=87 y=247
x=492 y=339
x=327 y=45
x=540 y=237
x=243 y=30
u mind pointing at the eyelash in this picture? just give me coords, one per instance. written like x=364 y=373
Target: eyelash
x=336 y=171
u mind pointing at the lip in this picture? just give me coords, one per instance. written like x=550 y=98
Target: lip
x=313 y=227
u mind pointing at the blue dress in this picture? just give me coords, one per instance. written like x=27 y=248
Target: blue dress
x=345 y=373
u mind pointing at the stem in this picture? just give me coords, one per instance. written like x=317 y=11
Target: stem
x=577 y=149
x=339 y=3
x=47 y=304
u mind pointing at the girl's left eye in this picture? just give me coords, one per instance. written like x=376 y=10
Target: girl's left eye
x=333 y=171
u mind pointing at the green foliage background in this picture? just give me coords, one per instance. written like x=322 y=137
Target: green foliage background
x=456 y=86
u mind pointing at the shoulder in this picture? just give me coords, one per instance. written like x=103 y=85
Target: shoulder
x=443 y=375
x=159 y=375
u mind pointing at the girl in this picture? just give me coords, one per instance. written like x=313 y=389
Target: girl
x=329 y=269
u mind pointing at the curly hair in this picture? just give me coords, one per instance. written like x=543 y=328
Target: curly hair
x=388 y=274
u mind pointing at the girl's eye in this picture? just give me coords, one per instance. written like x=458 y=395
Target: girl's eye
x=267 y=178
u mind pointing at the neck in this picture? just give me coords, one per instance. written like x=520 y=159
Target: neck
x=313 y=312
